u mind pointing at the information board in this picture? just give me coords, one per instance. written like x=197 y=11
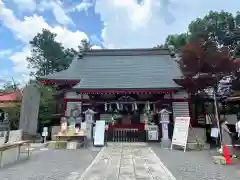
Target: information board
x=99 y=133
x=152 y=135
x=180 y=132
x=152 y=132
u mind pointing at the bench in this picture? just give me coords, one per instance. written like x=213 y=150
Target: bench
x=11 y=152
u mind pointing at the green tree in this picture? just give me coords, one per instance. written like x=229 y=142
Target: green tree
x=82 y=48
x=48 y=55
x=177 y=41
x=217 y=26
x=9 y=86
x=221 y=28
x=47 y=106
x=160 y=46
x=14 y=115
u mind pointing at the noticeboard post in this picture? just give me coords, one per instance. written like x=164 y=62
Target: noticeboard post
x=45 y=133
x=180 y=132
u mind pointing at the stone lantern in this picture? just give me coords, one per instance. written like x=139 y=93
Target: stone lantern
x=89 y=121
x=164 y=120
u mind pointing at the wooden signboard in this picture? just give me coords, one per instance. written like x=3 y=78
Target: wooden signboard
x=180 y=132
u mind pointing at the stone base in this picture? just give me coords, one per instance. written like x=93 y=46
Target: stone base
x=219 y=160
x=57 y=144
x=165 y=144
x=197 y=146
x=73 y=145
x=36 y=138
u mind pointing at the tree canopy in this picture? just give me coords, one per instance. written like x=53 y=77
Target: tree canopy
x=48 y=55
x=220 y=27
x=204 y=64
x=208 y=50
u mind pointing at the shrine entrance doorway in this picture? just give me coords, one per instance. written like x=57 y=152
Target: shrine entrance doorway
x=126 y=133
x=127 y=127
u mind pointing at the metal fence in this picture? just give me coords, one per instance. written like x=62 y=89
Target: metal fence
x=126 y=135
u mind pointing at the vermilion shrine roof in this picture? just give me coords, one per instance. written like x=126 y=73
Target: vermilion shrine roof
x=13 y=96
x=122 y=69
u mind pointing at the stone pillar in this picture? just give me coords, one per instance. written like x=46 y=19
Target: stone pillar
x=89 y=122
x=165 y=141
x=29 y=110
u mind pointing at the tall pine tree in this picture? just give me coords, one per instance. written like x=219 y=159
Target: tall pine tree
x=48 y=55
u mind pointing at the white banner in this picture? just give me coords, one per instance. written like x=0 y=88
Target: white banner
x=99 y=133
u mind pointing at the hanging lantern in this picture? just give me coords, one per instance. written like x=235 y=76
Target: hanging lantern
x=154 y=108
x=135 y=106
x=105 y=108
x=80 y=107
x=121 y=107
x=145 y=106
x=148 y=106
x=110 y=108
x=145 y=122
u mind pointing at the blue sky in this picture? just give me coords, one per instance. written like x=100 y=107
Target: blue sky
x=106 y=23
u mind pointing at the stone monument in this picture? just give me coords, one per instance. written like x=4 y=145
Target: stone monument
x=29 y=110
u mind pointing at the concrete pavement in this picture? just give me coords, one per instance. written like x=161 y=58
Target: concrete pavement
x=126 y=161
x=50 y=164
x=196 y=165
x=118 y=161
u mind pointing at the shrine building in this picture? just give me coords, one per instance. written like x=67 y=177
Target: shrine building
x=122 y=84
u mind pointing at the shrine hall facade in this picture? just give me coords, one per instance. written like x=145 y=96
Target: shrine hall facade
x=128 y=83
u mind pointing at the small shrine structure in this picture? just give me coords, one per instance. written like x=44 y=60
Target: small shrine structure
x=122 y=86
x=8 y=100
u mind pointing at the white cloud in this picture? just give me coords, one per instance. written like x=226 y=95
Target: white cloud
x=4 y=53
x=26 y=5
x=132 y=25
x=26 y=29
x=57 y=9
x=83 y=6
x=19 y=60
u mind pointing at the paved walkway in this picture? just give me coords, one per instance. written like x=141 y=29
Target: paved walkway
x=127 y=161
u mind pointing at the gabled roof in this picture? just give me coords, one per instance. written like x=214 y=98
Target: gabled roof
x=12 y=96
x=123 y=69
x=72 y=73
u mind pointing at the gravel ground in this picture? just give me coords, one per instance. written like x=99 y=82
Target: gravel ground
x=50 y=165
x=196 y=165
